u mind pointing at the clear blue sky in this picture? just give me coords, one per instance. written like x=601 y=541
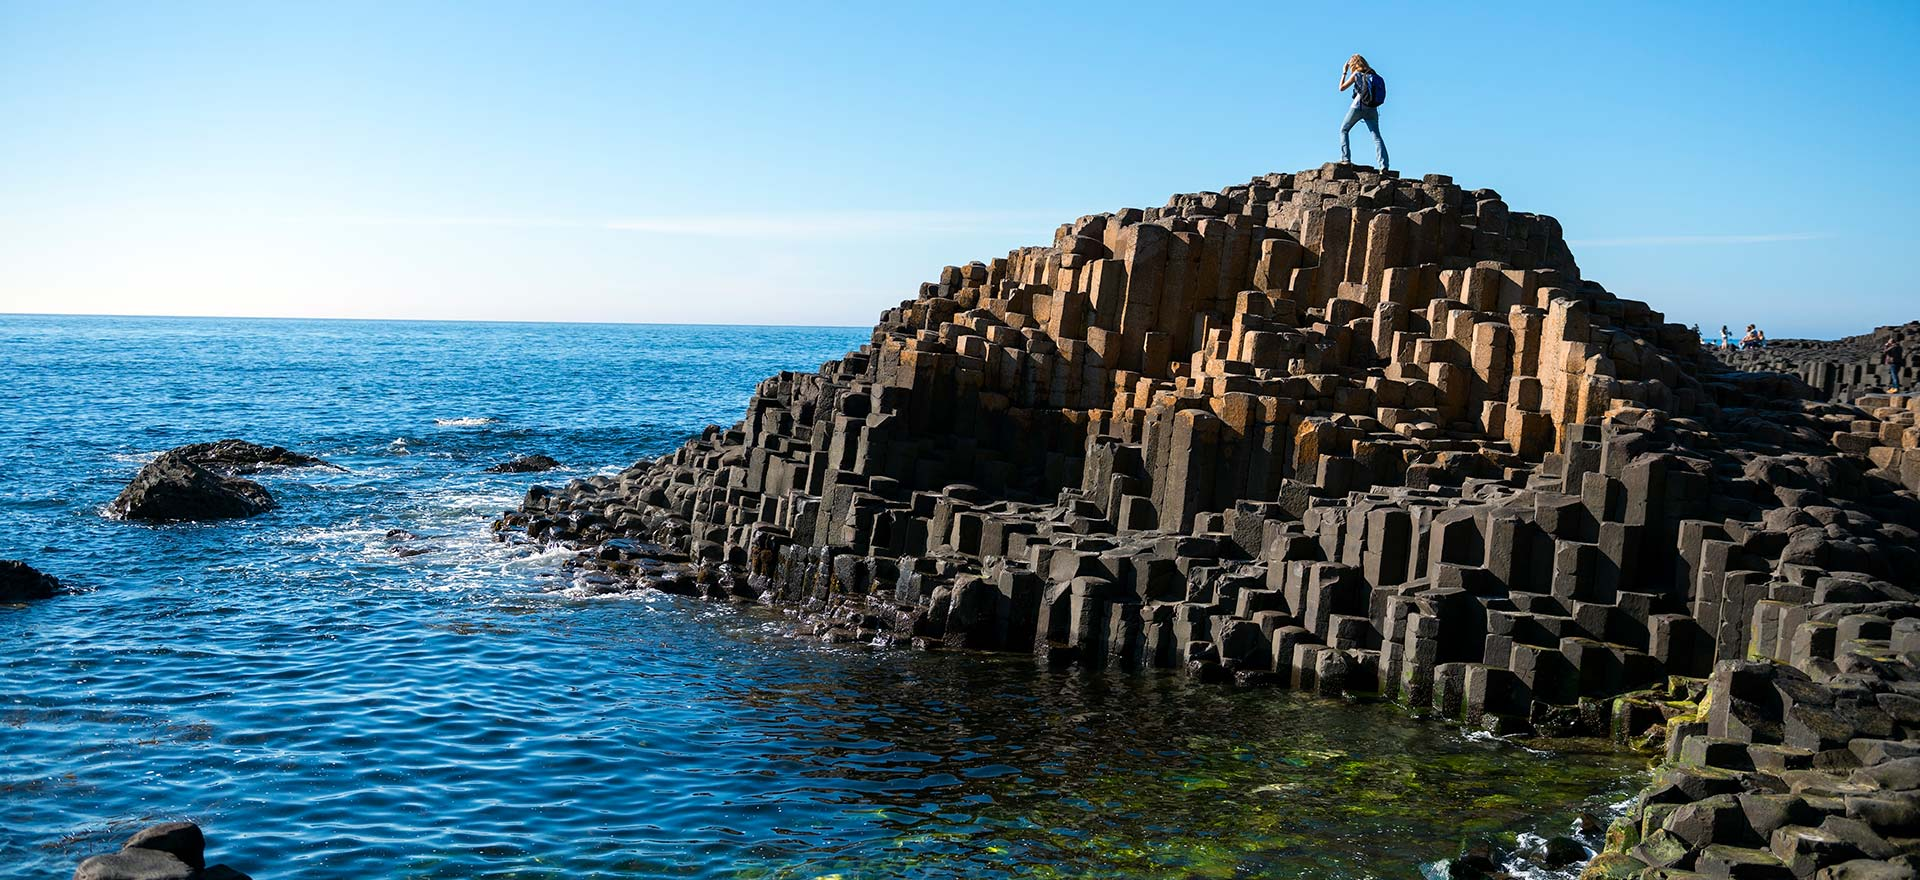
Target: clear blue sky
x=812 y=163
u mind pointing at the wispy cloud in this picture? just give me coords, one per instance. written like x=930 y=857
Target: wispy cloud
x=833 y=224
x=1667 y=240
x=760 y=225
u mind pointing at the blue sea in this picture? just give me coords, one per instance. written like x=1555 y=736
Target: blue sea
x=330 y=703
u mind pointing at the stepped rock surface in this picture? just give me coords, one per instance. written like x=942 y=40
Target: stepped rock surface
x=1838 y=369
x=1347 y=433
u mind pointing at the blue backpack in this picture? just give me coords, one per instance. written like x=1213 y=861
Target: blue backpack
x=1373 y=89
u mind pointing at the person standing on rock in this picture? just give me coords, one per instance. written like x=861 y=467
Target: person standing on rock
x=1890 y=354
x=1369 y=92
x=1726 y=338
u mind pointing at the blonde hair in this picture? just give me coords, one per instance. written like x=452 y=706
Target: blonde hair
x=1359 y=62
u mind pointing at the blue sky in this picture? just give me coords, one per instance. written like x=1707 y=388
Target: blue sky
x=803 y=164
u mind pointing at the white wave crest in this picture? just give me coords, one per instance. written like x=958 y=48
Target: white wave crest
x=466 y=422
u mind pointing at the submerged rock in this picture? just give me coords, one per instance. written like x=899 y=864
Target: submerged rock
x=1563 y=850
x=526 y=464
x=169 y=851
x=1478 y=860
x=240 y=457
x=20 y=582
x=173 y=488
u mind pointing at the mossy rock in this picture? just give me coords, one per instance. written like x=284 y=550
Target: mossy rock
x=1612 y=866
x=1621 y=836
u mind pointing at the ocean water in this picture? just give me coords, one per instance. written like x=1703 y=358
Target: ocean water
x=329 y=703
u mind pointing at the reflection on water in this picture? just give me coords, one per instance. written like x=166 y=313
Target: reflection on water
x=330 y=708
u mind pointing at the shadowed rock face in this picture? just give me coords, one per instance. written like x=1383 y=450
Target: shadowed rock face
x=1338 y=432
x=20 y=582
x=172 y=487
x=169 y=851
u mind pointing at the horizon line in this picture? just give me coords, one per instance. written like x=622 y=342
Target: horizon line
x=428 y=320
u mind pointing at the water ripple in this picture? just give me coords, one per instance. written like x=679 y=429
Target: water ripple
x=329 y=708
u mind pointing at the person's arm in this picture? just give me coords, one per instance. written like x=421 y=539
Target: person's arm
x=1346 y=77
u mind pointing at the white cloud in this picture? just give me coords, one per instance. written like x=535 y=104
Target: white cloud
x=1663 y=240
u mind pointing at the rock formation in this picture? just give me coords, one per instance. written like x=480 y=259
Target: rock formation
x=20 y=582
x=526 y=464
x=1341 y=432
x=169 y=851
x=240 y=457
x=198 y=481
x=1840 y=369
x=172 y=488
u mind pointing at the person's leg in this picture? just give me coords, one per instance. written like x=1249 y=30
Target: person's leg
x=1346 y=152
x=1379 y=146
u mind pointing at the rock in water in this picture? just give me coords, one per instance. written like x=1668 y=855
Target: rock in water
x=526 y=464
x=172 y=487
x=169 y=851
x=134 y=864
x=1563 y=850
x=182 y=839
x=20 y=582
x=240 y=457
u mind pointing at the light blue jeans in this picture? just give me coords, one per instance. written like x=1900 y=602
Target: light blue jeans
x=1370 y=116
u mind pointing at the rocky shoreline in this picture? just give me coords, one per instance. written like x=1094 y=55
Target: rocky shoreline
x=1840 y=369
x=1347 y=433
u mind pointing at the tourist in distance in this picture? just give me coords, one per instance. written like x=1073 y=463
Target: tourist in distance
x=1890 y=353
x=1369 y=92
x=1726 y=338
x=1751 y=340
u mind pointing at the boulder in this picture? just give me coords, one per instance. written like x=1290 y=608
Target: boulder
x=240 y=457
x=1865 y=869
x=526 y=464
x=1900 y=775
x=134 y=864
x=20 y=582
x=182 y=839
x=172 y=487
x=168 y=851
x=1563 y=850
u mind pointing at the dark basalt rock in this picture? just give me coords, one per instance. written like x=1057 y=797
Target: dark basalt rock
x=183 y=839
x=526 y=464
x=20 y=582
x=169 y=851
x=134 y=864
x=1838 y=370
x=240 y=457
x=174 y=488
x=1563 y=850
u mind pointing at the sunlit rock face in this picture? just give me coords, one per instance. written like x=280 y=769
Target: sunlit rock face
x=1334 y=431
